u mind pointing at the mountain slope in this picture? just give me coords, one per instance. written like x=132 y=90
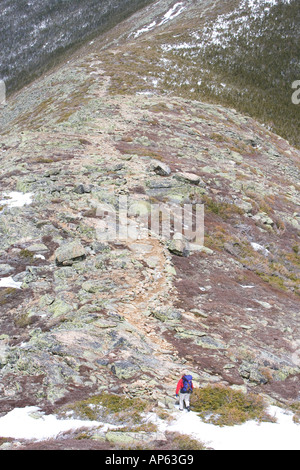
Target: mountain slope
x=35 y=35
x=240 y=54
x=90 y=315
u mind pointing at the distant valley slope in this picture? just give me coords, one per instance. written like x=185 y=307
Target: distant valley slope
x=36 y=34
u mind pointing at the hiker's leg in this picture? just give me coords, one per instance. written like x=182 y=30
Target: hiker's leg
x=187 y=401
x=181 y=398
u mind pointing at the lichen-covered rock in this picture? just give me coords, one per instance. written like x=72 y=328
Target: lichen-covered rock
x=263 y=219
x=179 y=245
x=253 y=373
x=59 y=308
x=161 y=168
x=127 y=438
x=168 y=315
x=69 y=252
x=188 y=178
x=124 y=369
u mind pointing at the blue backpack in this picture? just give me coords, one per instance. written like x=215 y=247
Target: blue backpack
x=187 y=384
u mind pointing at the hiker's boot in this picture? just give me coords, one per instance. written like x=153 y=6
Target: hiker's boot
x=188 y=408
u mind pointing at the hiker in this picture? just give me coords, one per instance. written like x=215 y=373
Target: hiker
x=184 y=389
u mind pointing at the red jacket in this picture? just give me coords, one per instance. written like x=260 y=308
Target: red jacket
x=180 y=385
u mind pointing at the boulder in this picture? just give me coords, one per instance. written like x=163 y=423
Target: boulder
x=161 y=169
x=82 y=189
x=178 y=245
x=263 y=219
x=59 y=308
x=68 y=253
x=166 y=315
x=129 y=438
x=5 y=269
x=124 y=369
x=188 y=178
x=253 y=373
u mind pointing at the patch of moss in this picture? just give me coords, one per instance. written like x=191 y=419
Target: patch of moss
x=5 y=294
x=43 y=160
x=23 y=320
x=26 y=254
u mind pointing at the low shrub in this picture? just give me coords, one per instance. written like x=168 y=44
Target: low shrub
x=118 y=408
x=5 y=294
x=221 y=209
x=179 y=441
x=223 y=406
x=295 y=408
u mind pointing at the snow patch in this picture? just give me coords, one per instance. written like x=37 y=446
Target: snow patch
x=175 y=11
x=220 y=31
x=39 y=256
x=16 y=199
x=9 y=282
x=144 y=30
x=30 y=423
x=282 y=435
x=260 y=248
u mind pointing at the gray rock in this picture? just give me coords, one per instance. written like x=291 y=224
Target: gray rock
x=37 y=247
x=161 y=169
x=5 y=269
x=130 y=438
x=70 y=252
x=166 y=315
x=124 y=369
x=188 y=178
x=161 y=183
x=252 y=373
x=263 y=219
x=178 y=245
x=82 y=189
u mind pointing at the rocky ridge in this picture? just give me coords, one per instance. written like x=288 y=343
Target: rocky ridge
x=94 y=315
